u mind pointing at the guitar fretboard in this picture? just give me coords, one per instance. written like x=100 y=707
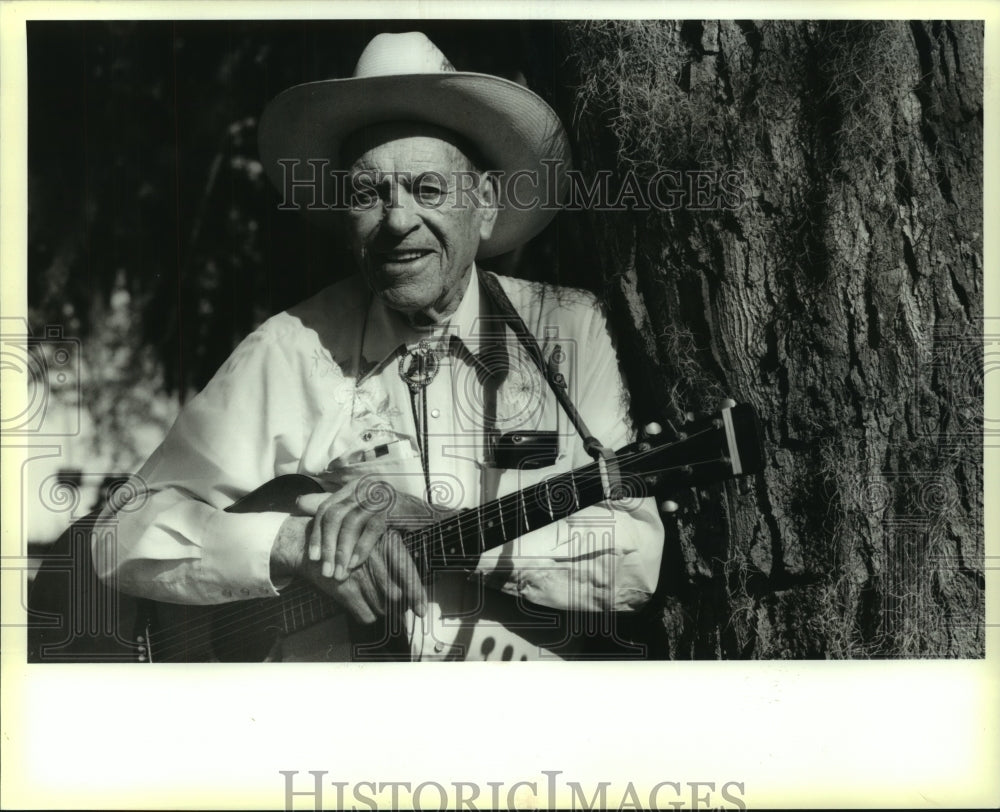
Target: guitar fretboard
x=459 y=540
x=302 y=606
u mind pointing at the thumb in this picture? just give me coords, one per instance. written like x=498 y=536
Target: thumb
x=309 y=503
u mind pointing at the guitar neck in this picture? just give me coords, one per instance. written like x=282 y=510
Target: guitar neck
x=458 y=541
x=718 y=448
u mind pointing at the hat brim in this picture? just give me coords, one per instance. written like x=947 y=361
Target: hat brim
x=514 y=129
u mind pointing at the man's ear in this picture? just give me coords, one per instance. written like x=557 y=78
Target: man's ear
x=489 y=196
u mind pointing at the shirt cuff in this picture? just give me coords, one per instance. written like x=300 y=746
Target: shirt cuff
x=597 y=560
x=240 y=553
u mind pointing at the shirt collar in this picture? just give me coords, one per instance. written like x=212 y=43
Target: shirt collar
x=386 y=331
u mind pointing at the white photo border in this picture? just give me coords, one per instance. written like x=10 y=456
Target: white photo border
x=794 y=734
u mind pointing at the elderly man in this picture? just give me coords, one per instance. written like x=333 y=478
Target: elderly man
x=419 y=393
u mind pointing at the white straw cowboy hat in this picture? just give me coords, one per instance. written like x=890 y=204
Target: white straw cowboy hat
x=404 y=77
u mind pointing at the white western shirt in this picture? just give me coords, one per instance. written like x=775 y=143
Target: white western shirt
x=317 y=390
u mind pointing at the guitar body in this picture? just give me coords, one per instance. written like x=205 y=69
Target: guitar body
x=239 y=632
x=465 y=619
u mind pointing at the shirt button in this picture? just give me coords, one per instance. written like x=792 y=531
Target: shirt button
x=435 y=412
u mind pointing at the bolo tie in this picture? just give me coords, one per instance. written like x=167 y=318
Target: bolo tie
x=417 y=368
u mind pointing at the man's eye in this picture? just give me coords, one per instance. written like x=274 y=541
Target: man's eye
x=363 y=199
x=429 y=191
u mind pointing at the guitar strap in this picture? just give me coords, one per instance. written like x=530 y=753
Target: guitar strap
x=605 y=457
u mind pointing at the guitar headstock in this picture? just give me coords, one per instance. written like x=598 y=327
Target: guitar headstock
x=718 y=446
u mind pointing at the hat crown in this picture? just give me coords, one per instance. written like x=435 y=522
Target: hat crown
x=395 y=54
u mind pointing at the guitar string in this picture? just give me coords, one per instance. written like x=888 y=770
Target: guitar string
x=471 y=520
x=194 y=632
x=212 y=627
x=201 y=630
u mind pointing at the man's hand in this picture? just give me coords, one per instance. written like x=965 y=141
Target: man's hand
x=345 y=547
x=386 y=578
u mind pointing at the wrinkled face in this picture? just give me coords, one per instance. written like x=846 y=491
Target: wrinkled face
x=418 y=212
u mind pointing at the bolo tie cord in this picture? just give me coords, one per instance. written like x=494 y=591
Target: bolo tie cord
x=427 y=365
x=424 y=459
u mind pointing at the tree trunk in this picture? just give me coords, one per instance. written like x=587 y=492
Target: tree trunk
x=836 y=285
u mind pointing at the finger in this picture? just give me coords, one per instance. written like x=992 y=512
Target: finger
x=351 y=598
x=370 y=536
x=406 y=574
x=317 y=506
x=652 y=429
x=310 y=503
x=314 y=534
x=354 y=523
x=326 y=535
x=366 y=583
x=377 y=569
x=669 y=506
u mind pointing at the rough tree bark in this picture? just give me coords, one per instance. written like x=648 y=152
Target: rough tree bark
x=841 y=296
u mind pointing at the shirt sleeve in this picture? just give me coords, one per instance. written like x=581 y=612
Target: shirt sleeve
x=174 y=542
x=607 y=556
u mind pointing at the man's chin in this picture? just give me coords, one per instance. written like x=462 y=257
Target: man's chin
x=408 y=303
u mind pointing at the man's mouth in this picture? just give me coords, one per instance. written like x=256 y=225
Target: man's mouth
x=402 y=256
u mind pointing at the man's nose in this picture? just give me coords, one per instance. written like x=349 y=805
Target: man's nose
x=401 y=213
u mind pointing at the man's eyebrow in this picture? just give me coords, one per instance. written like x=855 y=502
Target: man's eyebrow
x=406 y=176
x=383 y=175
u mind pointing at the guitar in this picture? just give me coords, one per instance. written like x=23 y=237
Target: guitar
x=719 y=447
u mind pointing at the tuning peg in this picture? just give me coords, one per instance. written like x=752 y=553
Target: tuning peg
x=669 y=506
x=652 y=429
x=727 y=403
